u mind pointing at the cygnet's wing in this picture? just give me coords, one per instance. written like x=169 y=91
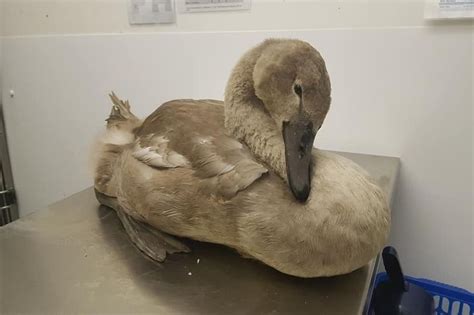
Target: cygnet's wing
x=188 y=133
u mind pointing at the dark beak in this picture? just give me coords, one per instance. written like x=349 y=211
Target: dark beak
x=298 y=135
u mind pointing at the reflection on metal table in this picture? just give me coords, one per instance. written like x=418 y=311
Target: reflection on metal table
x=75 y=257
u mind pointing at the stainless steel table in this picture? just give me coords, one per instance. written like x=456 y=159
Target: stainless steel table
x=75 y=258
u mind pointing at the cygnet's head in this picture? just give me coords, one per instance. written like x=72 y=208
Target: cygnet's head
x=291 y=80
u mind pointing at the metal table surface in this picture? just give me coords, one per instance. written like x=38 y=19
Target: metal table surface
x=75 y=258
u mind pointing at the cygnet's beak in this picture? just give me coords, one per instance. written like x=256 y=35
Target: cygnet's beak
x=298 y=135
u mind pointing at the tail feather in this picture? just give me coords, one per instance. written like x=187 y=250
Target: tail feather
x=120 y=114
x=107 y=151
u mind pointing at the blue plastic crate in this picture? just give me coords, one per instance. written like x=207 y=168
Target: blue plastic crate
x=449 y=300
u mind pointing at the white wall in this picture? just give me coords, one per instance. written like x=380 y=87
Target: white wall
x=1 y=45
x=27 y=17
x=404 y=92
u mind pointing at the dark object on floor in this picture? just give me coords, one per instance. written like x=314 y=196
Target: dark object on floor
x=396 y=296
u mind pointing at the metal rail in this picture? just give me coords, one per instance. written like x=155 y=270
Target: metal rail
x=8 y=205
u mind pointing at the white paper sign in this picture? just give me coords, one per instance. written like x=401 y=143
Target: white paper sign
x=151 y=11
x=190 y=6
x=449 y=9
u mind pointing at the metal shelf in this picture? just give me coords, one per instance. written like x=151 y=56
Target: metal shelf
x=75 y=257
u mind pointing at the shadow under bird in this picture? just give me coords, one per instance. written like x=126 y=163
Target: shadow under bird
x=243 y=172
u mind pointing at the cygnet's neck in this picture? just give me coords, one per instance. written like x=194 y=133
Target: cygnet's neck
x=247 y=120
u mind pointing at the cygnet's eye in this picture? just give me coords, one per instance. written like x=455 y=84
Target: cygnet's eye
x=298 y=89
